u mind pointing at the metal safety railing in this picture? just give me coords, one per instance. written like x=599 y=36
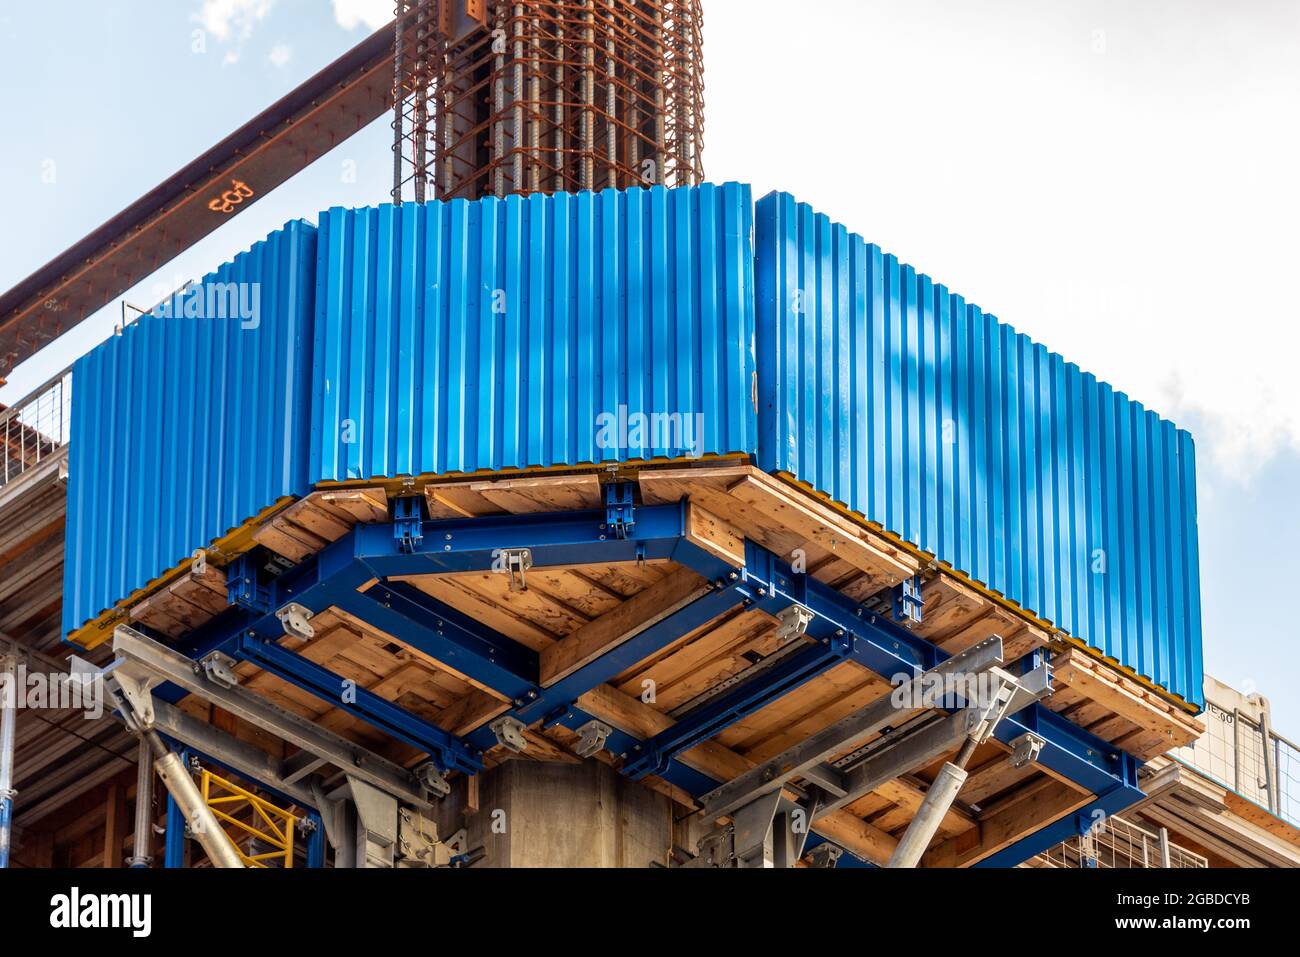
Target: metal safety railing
x=1245 y=754
x=261 y=831
x=1114 y=844
x=36 y=427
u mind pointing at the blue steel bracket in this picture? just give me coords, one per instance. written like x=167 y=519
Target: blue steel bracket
x=408 y=523
x=908 y=601
x=620 y=514
x=243 y=584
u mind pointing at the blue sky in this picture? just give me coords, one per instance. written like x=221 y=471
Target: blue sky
x=1114 y=179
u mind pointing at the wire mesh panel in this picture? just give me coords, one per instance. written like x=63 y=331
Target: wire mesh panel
x=1116 y=844
x=1286 y=761
x=1233 y=751
x=546 y=96
x=35 y=427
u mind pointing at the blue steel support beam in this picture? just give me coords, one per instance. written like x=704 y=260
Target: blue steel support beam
x=710 y=718
x=316 y=842
x=1119 y=797
x=447 y=751
x=625 y=746
x=888 y=650
x=174 y=842
x=174 y=839
x=447 y=636
x=373 y=551
x=562 y=695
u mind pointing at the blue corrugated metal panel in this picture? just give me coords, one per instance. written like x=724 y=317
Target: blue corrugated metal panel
x=184 y=428
x=900 y=400
x=492 y=334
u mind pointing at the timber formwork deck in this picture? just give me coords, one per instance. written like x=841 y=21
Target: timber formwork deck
x=667 y=643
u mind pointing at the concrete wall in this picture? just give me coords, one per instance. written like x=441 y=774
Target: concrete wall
x=534 y=814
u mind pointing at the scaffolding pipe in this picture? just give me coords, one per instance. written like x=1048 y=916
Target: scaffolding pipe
x=937 y=803
x=203 y=823
x=8 y=720
x=140 y=856
x=1270 y=768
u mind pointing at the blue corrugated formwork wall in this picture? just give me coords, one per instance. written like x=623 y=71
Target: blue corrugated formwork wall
x=895 y=397
x=183 y=428
x=492 y=335
x=426 y=339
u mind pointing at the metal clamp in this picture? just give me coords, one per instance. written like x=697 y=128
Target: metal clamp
x=515 y=562
x=433 y=780
x=408 y=523
x=620 y=512
x=825 y=855
x=510 y=733
x=593 y=736
x=133 y=686
x=794 y=622
x=1025 y=749
x=221 y=669
x=294 y=619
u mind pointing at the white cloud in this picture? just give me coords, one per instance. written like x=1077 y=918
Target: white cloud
x=1129 y=204
x=281 y=54
x=231 y=19
x=373 y=14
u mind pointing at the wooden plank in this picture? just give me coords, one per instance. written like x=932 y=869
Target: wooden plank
x=717 y=537
x=557 y=493
x=317 y=521
x=1101 y=684
x=822 y=527
x=115 y=824
x=607 y=632
x=364 y=505
x=293 y=543
x=196 y=590
x=1041 y=802
x=451 y=590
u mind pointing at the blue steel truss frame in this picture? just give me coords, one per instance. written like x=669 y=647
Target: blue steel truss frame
x=351 y=574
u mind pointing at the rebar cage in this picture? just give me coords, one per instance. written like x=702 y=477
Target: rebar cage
x=497 y=97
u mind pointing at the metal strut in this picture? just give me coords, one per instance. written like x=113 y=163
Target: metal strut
x=769 y=826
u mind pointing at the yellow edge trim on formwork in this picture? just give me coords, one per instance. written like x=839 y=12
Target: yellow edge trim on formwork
x=235 y=542
x=239 y=540
x=994 y=596
x=417 y=482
